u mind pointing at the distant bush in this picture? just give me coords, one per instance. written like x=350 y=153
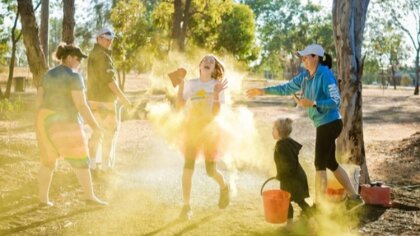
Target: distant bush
x=406 y=80
x=9 y=109
x=370 y=78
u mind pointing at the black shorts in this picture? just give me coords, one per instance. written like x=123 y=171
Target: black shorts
x=325 y=145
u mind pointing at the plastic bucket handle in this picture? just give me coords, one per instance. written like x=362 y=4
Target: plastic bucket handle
x=268 y=180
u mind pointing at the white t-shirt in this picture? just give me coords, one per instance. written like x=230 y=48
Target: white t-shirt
x=199 y=96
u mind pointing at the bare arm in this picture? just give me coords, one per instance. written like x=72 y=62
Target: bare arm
x=180 y=102
x=80 y=102
x=117 y=91
x=39 y=97
x=218 y=88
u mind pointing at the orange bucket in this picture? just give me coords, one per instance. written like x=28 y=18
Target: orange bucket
x=335 y=194
x=335 y=191
x=276 y=204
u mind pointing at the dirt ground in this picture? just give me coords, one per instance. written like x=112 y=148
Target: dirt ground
x=144 y=191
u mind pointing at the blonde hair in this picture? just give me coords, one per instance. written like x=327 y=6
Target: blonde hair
x=284 y=127
x=219 y=69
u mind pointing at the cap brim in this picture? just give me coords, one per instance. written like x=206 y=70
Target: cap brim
x=109 y=37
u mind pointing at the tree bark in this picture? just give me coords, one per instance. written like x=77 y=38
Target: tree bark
x=349 y=22
x=68 y=21
x=15 y=39
x=43 y=30
x=185 y=21
x=36 y=58
x=416 y=83
x=176 y=24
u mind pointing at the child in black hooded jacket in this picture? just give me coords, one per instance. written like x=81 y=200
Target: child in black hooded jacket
x=289 y=172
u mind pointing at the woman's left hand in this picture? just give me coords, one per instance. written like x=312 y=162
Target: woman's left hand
x=303 y=102
x=220 y=86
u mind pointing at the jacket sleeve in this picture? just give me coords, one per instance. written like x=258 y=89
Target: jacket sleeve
x=290 y=87
x=287 y=163
x=330 y=89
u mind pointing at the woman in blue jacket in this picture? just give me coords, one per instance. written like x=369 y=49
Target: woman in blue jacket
x=320 y=96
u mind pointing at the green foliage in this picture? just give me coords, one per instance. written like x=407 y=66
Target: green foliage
x=205 y=21
x=370 y=71
x=216 y=25
x=385 y=42
x=131 y=27
x=406 y=80
x=9 y=109
x=4 y=48
x=286 y=26
x=237 y=33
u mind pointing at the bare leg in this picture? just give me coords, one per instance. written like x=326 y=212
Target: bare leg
x=224 y=197
x=342 y=177
x=45 y=175
x=186 y=185
x=320 y=185
x=216 y=175
x=115 y=138
x=107 y=143
x=94 y=143
x=85 y=180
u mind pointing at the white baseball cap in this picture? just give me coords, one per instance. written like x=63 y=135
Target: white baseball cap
x=312 y=49
x=106 y=33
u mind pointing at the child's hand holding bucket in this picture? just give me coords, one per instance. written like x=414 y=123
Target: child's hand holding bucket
x=177 y=76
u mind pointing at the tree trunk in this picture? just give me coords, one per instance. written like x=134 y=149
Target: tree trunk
x=43 y=29
x=394 y=80
x=36 y=58
x=15 y=39
x=416 y=83
x=11 y=65
x=123 y=80
x=349 y=23
x=68 y=21
x=185 y=21
x=176 y=25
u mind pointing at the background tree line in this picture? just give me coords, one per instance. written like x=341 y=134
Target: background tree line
x=262 y=34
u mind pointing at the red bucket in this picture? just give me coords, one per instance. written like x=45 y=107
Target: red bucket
x=376 y=194
x=276 y=204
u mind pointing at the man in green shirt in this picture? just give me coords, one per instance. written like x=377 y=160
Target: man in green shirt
x=103 y=93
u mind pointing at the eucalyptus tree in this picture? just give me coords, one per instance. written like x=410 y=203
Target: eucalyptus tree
x=400 y=11
x=285 y=26
x=349 y=17
x=36 y=59
x=386 y=45
x=214 y=25
x=69 y=10
x=44 y=26
x=129 y=22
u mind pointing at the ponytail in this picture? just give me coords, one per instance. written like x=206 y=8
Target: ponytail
x=326 y=60
x=64 y=50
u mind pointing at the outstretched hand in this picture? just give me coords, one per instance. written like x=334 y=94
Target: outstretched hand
x=220 y=86
x=305 y=103
x=254 y=92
